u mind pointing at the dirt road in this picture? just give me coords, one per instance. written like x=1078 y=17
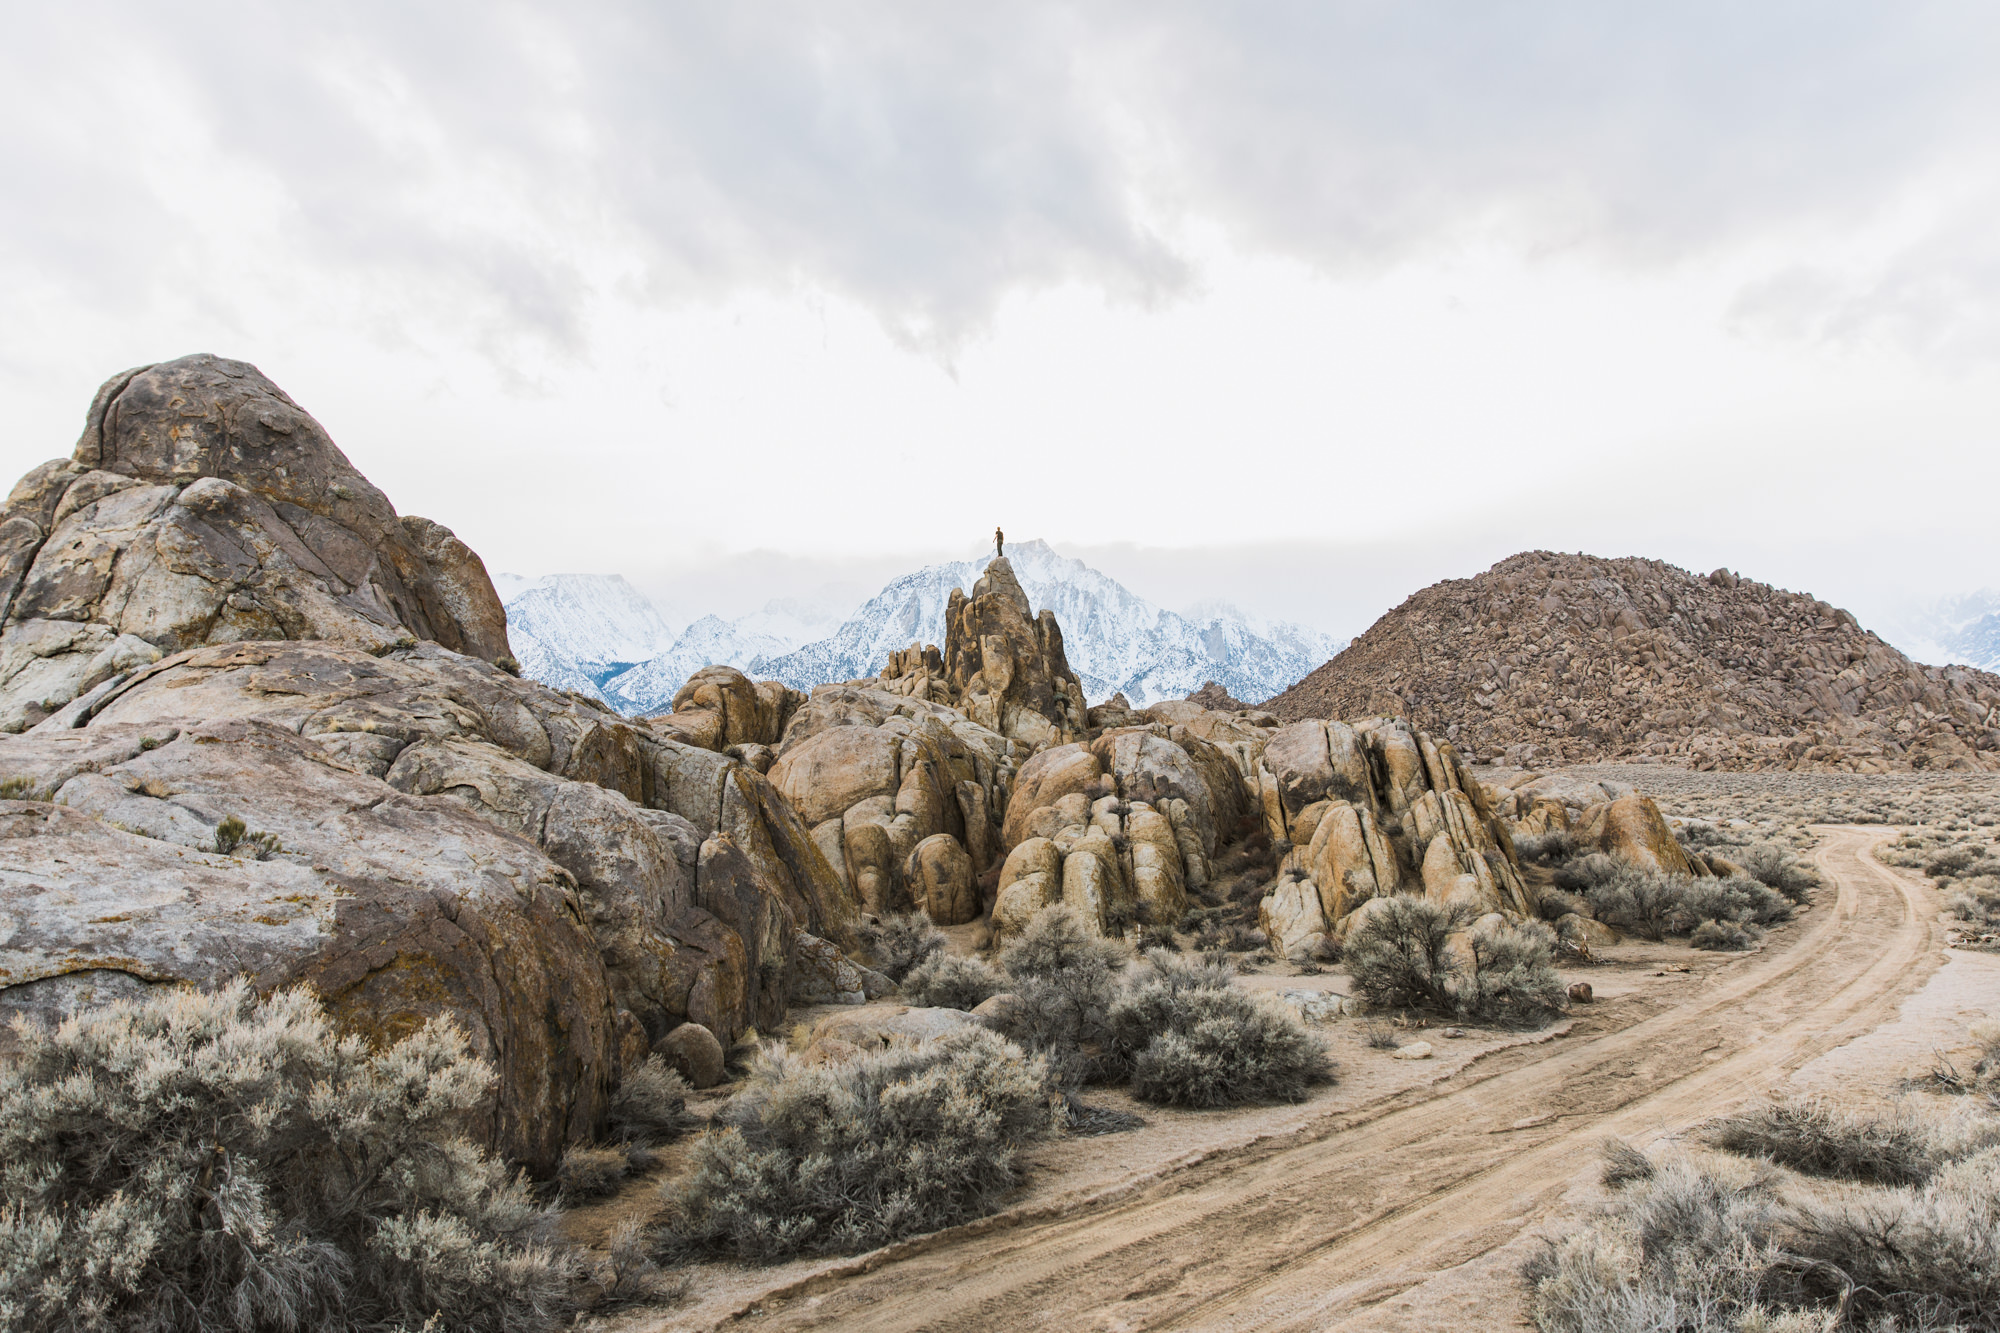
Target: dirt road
x=1326 y=1228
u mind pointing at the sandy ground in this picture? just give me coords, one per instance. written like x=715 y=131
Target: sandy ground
x=1406 y=1195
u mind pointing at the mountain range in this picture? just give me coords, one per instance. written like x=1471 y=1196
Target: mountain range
x=1964 y=629
x=598 y=635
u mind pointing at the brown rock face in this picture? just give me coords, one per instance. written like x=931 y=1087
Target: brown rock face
x=204 y=506
x=1549 y=658
x=1005 y=666
x=1373 y=809
x=263 y=737
x=1215 y=698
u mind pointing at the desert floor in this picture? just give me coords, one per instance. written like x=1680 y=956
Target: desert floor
x=1407 y=1194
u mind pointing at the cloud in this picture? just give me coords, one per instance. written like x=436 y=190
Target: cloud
x=504 y=163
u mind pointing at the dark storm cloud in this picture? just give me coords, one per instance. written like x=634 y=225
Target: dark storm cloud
x=929 y=159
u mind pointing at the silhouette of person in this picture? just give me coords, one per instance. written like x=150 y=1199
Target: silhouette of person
x=999 y=543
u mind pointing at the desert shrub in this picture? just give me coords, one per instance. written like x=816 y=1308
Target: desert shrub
x=1699 y=835
x=195 y=1161
x=648 y=1110
x=1642 y=902
x=1222 y=1048
x=1721 y=937
x=1194 y=1039
x=1064 y=979
x=1624 y=1164
x=588 y=1172
x=1553 y=848
x=1816 y=1138
x=1511 y=976
x=951 y=981
x=1555 y=904
x=1779 y=868
x=1986 y=1036
x=1925 y=1257
x=1400 y=956
x=1587 y=872
x=848 y=1156
x=901 y=943
x=1735 y=898
x=1378 y=1034
x=1680 y=1249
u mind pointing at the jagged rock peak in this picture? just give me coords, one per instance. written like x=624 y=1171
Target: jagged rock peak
x=1552 y=657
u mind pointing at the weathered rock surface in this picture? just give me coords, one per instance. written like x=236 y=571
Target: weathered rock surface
x=211 y=618
x=203 y=506
x=721 y=709
x=1373 y=809
x=879 y=777
x=1550 y=658
x=1003 y=665
x=396 y=908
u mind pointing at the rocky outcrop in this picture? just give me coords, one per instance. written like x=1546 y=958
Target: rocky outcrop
x=879 y=778
x=1121 y=828
x=1550 y=658
x=1005 y=667
x=722 y=709
x=1371 y=809
x=265 y=735
x=203 y=506
x=1212 y=696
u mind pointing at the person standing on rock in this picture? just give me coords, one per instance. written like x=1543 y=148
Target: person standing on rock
x=999 y=543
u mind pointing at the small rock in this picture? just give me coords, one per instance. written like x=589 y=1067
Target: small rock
x=1453 y=1032
x=1416 y=1050
x=1579 y=992
x=693 y=1050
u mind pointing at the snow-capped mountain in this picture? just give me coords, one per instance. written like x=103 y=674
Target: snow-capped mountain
x=1963 y=629
x=574 y=631
x=1115 y=640
x=596 y=634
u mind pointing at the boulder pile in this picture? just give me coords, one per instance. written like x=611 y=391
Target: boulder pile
x=263 y=726
x=1551 y=658
x=254 y=723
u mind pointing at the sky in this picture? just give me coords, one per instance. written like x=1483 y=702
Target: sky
x=1301 y=306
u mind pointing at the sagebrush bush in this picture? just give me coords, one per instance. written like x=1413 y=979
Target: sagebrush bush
x=1817 y=1138
x=1721 y=937
x=1225 y=1049
x=1194 y=1039
x=1553 y=848
x=1064 y=979
x=1400 y=957
x=848 y=1156
x=1509 y=974
x=215 y=1161
x=1691 y=1246
x=899 y=944
x=1403 y=957
x=1779 y=868
x=951 y=981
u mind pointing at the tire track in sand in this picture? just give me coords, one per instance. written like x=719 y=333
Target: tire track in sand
x=1315 y=1229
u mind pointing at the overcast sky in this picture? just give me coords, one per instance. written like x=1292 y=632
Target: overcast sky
x=1303 y=305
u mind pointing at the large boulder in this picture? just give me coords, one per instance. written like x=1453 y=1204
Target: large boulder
x=1379 y=807
x=877 y=775
x=396 y=908
x=1632 y=829
x=271 y=729
x=203 y=506
x=721 y=709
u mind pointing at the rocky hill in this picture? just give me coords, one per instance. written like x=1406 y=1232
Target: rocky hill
x=1549 y=657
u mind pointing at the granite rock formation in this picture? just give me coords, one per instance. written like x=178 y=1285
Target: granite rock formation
x=260 y=731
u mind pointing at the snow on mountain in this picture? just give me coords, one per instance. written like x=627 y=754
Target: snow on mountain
x=596 y=634
x=1964 y=629
x=711 y=641
x=1115 y=640
x=575 y=631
